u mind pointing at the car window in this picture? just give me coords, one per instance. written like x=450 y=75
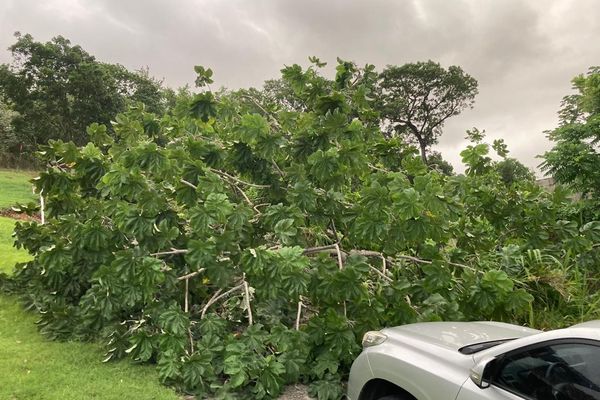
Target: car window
x=566 y=371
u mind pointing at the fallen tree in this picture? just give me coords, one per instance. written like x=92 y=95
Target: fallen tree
x=242 y=247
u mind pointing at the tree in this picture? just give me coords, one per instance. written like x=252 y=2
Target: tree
x=8 y=139
x=437 y=162
x=416 y=99
x=58 y=89
x=575 y=157
x=512 y=171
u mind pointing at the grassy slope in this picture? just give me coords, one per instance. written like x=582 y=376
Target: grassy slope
x=34 y=368
x=15 y=187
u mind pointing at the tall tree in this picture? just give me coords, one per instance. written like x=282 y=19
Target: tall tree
x=416 y=99
x=512 y=170
x=8 y=140
x=575 y=157
x=437 y=162
x=58 y=89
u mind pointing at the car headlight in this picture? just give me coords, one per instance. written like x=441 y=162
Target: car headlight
x=373 y=338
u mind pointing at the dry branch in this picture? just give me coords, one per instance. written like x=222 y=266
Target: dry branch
x=170 y=252
x=188 y=184
x=298 y=314
x=247 y=301
x=216 y=297
x=191 y=275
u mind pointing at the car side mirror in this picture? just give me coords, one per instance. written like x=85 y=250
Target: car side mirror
x=481 y=373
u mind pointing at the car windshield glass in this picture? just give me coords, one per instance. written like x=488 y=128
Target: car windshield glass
x=474 y=348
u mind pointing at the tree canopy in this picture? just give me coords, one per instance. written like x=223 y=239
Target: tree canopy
x=58 y=89
x=575 y=157
x=416 y=99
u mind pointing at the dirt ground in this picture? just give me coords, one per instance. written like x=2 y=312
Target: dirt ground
x=9 y=213
x=292 y=392
x=295 y=392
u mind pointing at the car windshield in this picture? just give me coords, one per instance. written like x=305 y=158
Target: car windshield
x=476 y=347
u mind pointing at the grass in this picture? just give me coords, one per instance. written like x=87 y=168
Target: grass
x=10 y=255
x=32 y=367
x=15 y=187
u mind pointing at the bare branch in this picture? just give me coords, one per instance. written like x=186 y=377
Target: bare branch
x=245 y=196
x=298 y=313
x=216 y=297
x=187 y=296
x=257 y=104
x=188 y=184
x=339 y=256
x=376 y=168
x=318 y=249
x=42 y=208
x=191 y=275
x=387 y=278
x=170 y=252
x=331 y=249
x=279 y=171
x=247 y=300
x=421 y=261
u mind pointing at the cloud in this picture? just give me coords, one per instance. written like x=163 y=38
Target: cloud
x=522 y=53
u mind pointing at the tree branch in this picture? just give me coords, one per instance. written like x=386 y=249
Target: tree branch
x=225 y=174
x=191 y=275
x=331 y=249
x=216 y=297
x=188 y=184
x=318 y=249
x=298 y=313
x=339 y=256
x=247 y=301
x=171 y=252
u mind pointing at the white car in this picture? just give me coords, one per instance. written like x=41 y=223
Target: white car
x=477 y=361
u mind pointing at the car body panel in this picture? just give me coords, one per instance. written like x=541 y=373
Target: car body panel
x=423 y=358
x=455 y=335
x=470 y=391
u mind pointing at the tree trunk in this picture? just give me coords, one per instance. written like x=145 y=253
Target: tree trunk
x=423 y=152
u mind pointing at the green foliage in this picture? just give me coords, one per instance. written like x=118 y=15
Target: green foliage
x=58 y=89
x=513 y=171
x=193 y=244
x=574 y=159
x=416 y=99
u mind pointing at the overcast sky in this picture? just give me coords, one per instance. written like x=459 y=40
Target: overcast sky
x=523 y=53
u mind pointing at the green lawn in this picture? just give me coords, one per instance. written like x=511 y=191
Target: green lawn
x=32 y=367
x=15 y=187
x=8 y=254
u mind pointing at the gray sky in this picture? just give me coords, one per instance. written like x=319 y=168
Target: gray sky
x=523 y=53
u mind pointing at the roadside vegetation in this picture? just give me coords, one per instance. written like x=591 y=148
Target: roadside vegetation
x=33 y=367
x=245 y=240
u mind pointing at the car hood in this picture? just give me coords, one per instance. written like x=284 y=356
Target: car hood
x=455 y=335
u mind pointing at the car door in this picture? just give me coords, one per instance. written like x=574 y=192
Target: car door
x=557 y=370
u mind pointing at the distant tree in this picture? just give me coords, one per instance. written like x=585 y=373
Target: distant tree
x=512 y=170
x=58 y=89
x=8 y=140
x=575 y=158
x=435 y=161
x=280 y=93
x=416 y=99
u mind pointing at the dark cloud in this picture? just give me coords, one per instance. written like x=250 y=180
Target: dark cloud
x=522 y=53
